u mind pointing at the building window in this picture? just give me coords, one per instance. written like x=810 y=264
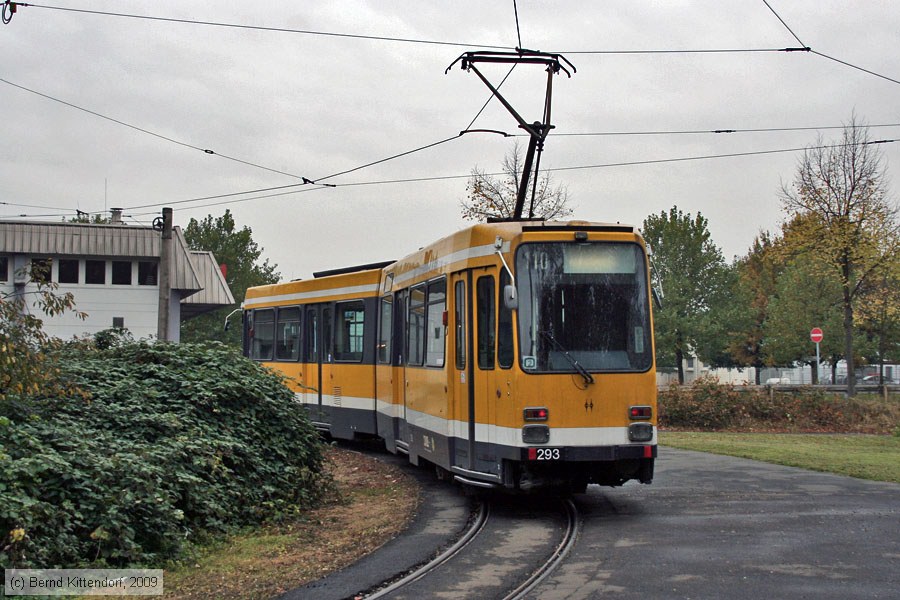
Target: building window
x=147 y=273
x=287 y=332
x=262 y=334
x=119 y=322
x=95 y=271
x=41 y=269
x=348 y=333
x=68 y=270
x=121 y=272
x=4 y=268
x=434 y=330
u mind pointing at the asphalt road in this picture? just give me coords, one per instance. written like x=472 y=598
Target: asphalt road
x=708 y=527
x=720 y=527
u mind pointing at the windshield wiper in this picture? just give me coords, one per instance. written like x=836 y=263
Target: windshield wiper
x=581 y=370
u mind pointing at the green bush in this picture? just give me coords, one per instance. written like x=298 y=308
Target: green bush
x=170 y=442
x=709 y=405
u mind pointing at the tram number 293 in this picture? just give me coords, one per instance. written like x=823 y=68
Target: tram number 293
x=544 y=454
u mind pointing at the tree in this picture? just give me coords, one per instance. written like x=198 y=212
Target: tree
x=26 y=359
x=803 y=298
x=747 y=310
x=240 y=254
x=851 y=226
x=879 y=313
x=490 y=198
x=691 y=271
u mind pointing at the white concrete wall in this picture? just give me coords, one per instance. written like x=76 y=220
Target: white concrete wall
x=136 y=304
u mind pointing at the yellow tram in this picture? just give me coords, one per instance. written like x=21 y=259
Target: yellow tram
x=515 y=355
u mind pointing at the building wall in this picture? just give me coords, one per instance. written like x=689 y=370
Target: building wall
x=133 y=305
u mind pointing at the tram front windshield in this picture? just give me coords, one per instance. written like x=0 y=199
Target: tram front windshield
x=583 y=305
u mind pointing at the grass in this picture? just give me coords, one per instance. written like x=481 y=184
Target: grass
x=376 y=501
x=875 y=457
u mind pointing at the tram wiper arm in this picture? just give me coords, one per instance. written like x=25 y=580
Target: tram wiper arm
x=588 y=379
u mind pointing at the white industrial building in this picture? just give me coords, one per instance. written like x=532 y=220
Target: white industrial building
x=113 y=271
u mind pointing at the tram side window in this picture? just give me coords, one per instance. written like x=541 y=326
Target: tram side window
x=460 y=324
x=348 y=333
x=287 y=334
x=486 y=321
x=434 y=330
x=384 y=330
x=504 y=329
x=327 y=328
x=312 y=336
x=262 y=334
x=416 y=326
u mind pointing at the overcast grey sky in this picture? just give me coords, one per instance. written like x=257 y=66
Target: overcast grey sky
x=313 y=105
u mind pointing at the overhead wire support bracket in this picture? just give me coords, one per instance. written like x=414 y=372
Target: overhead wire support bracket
x=9 y=9
x=538 y=130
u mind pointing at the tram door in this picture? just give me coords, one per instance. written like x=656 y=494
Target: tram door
x=461 y=425
x=312 y=390
x=486 y=390
x=401 y=351
x=474 y=395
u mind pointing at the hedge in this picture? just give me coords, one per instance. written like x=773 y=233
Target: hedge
x=169 y=443
x=709 y=405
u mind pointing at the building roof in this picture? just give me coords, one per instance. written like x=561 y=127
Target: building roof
x=215 y=293
x=196 y=273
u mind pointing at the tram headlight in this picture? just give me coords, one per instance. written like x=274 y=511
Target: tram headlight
x=640 y=432
x=535 y=434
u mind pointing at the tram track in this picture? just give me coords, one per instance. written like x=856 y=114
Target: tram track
x=573 y=529
x=455 y=570
x=476 y=526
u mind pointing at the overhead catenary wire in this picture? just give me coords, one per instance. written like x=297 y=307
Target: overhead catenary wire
x=628 y=163
x=433 y=144
x=305 y=181
x=263 y=27
x=151 y=133
x=466 y=176
x=799 y=41
x=858 y=68
x=803 y=47
x=704 y=131
x=817 y=53
x=518 y=29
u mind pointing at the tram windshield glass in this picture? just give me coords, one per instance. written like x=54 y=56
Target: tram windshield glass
x=583 y=306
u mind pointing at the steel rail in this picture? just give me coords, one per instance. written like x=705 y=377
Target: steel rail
x=573 y=528
x=481 y=519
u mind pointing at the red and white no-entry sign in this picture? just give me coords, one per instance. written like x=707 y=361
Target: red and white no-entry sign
x=816 y=335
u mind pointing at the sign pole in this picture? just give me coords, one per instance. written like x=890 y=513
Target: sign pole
x=816 y=336
x=818 y=362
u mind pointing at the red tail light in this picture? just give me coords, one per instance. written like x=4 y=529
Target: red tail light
x=640 y=412
x=537 y=414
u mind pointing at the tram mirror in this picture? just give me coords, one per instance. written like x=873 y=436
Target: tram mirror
x=510 y=298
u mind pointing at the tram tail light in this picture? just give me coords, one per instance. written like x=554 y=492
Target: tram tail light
x=536 y=414
x=640 y=412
